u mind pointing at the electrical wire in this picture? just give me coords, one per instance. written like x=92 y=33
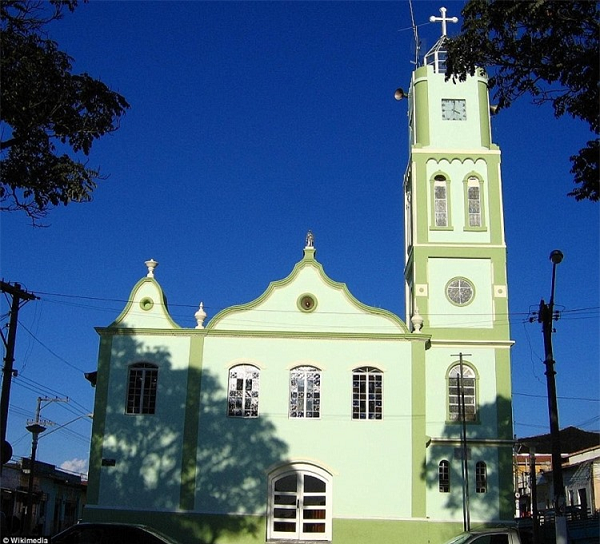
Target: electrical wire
x=63 y=360
x=560 y=398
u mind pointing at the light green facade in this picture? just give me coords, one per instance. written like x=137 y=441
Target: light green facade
x=191 y=459
x=193 y=468
x=453 y=151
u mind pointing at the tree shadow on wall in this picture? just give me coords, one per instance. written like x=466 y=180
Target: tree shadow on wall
x=233 y=457
x=140 y=452
x=497 y=500
x=212 y=467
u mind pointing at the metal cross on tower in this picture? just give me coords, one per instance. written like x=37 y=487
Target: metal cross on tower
x=443 y=19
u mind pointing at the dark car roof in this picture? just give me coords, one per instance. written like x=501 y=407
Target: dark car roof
x=112 y=528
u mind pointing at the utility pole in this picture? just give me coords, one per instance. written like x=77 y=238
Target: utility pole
x=35 y=427
x=18 y=295
x=464 y=448
x=545 y=317
x=534 y=506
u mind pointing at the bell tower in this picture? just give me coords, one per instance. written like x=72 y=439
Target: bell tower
x=454 y=234
x=455 y=273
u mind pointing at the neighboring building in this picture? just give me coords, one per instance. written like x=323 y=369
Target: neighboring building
x=581 y=476
x=581 y=472
x=307 y=415
x=58 y=497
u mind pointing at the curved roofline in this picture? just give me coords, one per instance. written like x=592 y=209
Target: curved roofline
x=308 y=260
x=162 y=302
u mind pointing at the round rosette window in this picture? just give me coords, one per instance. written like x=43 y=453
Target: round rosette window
x=460 y=291
x=146 y=303
x=307 y=302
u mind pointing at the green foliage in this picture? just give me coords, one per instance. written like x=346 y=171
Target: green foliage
x=545 y=48
x=50 y=117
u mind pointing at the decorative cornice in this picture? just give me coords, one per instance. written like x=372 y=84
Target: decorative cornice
x=125 y=331
x=450 y=155
x=479 y=343
x=122 y=331
x=472 y=441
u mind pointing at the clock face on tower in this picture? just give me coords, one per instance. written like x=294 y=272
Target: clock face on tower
x=454 y=109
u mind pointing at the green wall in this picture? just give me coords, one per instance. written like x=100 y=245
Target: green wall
x=190 y=528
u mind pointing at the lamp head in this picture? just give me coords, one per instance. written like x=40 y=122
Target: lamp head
x=556 y=256
x=399 y=94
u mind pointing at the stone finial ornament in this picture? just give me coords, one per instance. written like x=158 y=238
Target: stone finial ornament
x=200 y=316
x=416 y=320
x=151 y=264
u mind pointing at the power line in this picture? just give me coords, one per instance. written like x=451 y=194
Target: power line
x=62 y=359
x=49 y=391
x=561 y=398
x=513 y=315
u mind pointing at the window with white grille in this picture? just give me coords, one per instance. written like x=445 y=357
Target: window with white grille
x=461 y=393
x=444 y=476
x=440 y=201
x=305 y=392
x=141 y=388
x=243 y=391
x=367 y=393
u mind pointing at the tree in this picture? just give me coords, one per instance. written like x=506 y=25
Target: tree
x=545 y=48
x=49 y=117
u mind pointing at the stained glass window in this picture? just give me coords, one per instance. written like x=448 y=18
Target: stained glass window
x=305 y=392
x=460 y=291
x=440 y=201
x=243 y=391
x=474 y=197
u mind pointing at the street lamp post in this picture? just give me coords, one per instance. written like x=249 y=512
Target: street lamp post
x=35 y=429
x=545 y=317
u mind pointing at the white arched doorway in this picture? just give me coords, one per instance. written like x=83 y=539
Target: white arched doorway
x=299 y=503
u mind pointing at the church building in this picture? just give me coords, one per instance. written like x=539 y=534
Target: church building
x=307 y=416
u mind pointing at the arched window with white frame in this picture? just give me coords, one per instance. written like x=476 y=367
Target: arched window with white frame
x=243 y=391
x=440 y=201
x=462 y=393
x=367 y=393
x=474 y=202
x=305 y=392
x=444 y=476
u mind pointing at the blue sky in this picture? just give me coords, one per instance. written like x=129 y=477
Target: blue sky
x=250 y=124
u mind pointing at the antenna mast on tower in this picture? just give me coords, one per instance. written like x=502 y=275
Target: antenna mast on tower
x=415 y=32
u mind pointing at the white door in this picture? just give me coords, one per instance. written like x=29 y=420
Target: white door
x=300 y=508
